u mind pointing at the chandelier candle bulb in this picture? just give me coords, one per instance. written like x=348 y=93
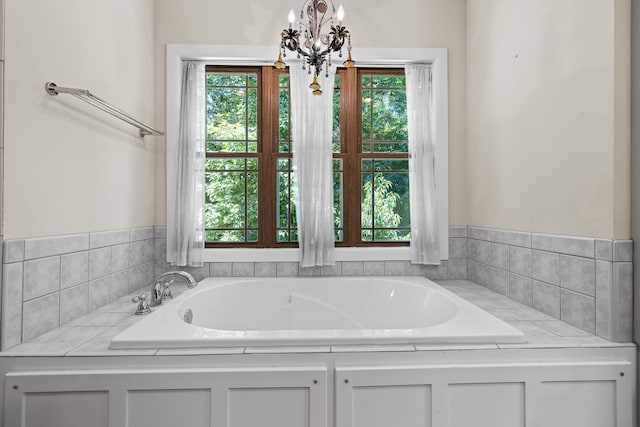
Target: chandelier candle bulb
x=292 y=18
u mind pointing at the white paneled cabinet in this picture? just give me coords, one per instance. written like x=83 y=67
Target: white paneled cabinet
x=269 y=397
x=545 y=394
x=517 y=395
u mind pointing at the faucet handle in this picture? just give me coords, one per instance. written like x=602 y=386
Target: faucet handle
x=166 y=292
x=143 y=305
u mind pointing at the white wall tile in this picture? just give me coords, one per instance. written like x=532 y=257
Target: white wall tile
x=438 y=272
x=160 y=232
x=578 y=274
x=144 y=233
x=521 y=289
x=471 y=249
x=99 y=262
x=500 y=281
x=515 y=238
x=457 y=248
x=500 y=256
x=140 y=277
x=332 y=270
x=47 y=246
x=394 y=268
x=373 y=268
x=623 y=250
x=287 y=269
x=74 y=269
x=74 y=302
x=221 y=269
x=545 y=266
x=119 y=257
x=13 y=251
x=471 y=270
x=483 y=274
x=119 y=284
x=352 y=268
x=137 y=253
x=479 y=233
x=457 y=269
x=160 y=250
x=148 y=251
x=604 y=249
x=108 y=238
x=623 y=304
x=483 y=252
x=198 y=273
x=40 y=315
x=99 y=292
x=520 y=261
x=604 y=299
x=41 y=277
x=578 y=310
x=263 y=269
x=570 y=245
x=314 y=271
x=458 y=231
x=243 y=269
x=410 y=269
x=546 y=298
x=11 y=325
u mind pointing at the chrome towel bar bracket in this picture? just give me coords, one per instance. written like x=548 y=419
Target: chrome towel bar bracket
x=86 y=96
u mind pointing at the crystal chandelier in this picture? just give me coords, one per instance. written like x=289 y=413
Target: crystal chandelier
x=323 y=34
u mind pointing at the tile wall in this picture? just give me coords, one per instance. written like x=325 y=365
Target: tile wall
x=47 y=282
x=454 y=268
x=583 y=281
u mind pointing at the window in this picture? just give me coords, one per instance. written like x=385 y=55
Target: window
x=250 y=192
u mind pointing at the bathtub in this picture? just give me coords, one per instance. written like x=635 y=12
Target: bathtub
x=315 y=311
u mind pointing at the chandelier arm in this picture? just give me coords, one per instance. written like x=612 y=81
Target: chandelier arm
x=301 y=52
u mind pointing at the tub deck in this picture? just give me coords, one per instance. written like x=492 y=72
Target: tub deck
x=91 y=335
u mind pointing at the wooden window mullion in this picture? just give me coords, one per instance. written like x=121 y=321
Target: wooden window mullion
x=349 y=107
x=269 y=133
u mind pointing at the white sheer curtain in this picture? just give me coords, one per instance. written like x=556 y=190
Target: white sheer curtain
x=311 y=136
x=425 y=235
x=185 y=234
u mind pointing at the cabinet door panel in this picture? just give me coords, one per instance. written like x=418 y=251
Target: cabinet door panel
x=579 y=403
x=497 y=405
x=269 y=407
x=391 y=406
x=168 y=408
x=66 y=409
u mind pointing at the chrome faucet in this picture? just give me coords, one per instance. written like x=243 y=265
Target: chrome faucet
x=160 y=289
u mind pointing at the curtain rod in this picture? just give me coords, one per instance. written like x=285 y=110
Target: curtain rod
x=86 y=96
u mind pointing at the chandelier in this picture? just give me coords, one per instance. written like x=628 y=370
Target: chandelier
x=323 y=35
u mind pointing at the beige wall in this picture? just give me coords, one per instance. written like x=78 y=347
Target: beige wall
x=545 y=146
x=548 y=116
x=402 y=23
x=69 y=167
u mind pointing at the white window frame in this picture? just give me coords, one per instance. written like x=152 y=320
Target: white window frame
x=369 y=57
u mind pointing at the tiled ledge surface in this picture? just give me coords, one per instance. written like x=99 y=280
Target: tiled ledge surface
x=90 y=335
x=51 y=281
x=583 y=281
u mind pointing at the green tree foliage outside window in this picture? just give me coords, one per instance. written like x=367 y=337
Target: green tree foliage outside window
x=232 y=209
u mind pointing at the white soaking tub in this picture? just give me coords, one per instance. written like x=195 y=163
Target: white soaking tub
x=316 y=311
